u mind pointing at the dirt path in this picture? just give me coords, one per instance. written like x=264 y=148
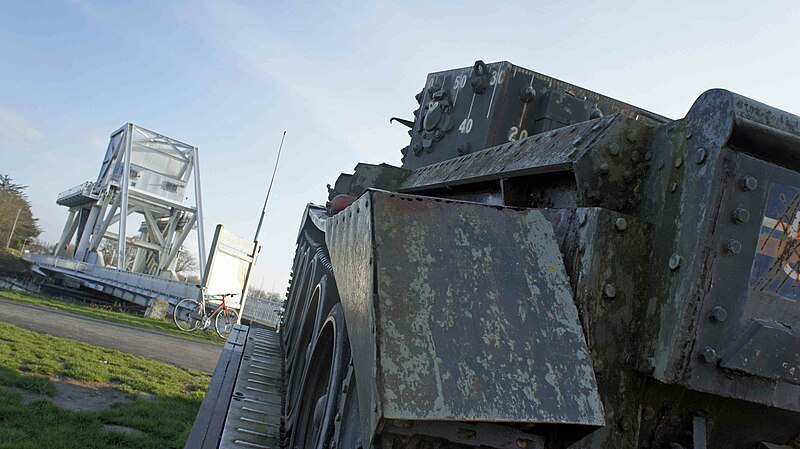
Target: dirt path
x=155 y=345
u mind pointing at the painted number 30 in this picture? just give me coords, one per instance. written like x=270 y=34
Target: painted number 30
x=514 y=134
x=497 y=77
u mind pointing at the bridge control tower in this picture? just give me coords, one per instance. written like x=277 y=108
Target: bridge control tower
x=143 y=173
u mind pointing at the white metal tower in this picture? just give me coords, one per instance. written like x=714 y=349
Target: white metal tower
x=143 y=173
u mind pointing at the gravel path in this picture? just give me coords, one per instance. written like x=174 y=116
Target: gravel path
x=179 y=351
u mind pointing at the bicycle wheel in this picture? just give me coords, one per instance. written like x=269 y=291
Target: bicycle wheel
x=225 y=321
x=187 y=314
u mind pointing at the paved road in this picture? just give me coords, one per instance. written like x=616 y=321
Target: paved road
x=155 y=345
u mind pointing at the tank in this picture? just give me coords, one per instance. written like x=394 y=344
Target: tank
x=553 y=268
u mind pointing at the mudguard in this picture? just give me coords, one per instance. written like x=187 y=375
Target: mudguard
x=459 y=312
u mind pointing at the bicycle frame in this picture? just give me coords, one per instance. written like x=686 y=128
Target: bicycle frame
x=222 y=307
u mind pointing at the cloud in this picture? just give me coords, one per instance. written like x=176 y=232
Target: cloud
x=17 y=133
x=324 y=82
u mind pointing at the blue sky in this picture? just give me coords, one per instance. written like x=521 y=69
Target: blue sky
x=230 y=76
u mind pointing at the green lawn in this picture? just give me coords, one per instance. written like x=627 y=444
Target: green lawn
x=29 y=360
x=108 y=315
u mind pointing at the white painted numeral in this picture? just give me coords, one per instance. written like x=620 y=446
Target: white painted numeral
x=460 y=82
x=497 y=78
x=514 y=133
x=466 y=126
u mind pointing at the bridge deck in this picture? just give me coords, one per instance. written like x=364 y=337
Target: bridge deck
x=242 y=408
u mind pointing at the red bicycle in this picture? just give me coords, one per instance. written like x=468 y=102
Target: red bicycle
x=189 y=314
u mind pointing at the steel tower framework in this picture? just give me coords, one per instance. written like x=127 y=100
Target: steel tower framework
x=143 y=173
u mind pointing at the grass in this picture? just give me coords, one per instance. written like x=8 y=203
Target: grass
x=34 y=383
x=29 y=360
x=108 y=315
x=35 y=353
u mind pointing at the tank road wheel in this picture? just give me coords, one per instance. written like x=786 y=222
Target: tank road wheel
x=322 y=299
x=303 y=332
x=317 y=349
x=319 y=403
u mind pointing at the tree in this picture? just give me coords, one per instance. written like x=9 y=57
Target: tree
x=187 y=264
x=14 y=206
x=262 y=294
x=108 y=249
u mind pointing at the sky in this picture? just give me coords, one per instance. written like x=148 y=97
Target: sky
x=229 y=77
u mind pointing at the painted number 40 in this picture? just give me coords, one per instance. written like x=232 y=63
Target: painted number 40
x=466 y=126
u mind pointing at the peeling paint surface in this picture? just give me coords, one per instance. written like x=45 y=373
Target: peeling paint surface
x=475 y=319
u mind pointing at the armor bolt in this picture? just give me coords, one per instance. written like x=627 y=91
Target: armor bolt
x=719 y=314
x=621 y=224
x=675 y=262
x=701 y=156
x=709 y=355
x=610 y=290
x=741 y=215
x=749 y=183
x=733 y=247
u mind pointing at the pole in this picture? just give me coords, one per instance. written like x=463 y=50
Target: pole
x=256 y=247
x=13 y=228
x=198 y=199
x=269 y=189
x=123 y=208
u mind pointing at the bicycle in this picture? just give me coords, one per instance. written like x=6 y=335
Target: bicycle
x=189 y=314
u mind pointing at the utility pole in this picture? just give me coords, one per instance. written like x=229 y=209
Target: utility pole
x=13 y=228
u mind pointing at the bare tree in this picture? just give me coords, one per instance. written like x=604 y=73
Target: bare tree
x=108 y=250
x=262 y=294
x=187 y=264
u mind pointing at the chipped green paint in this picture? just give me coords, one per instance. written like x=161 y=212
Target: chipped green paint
x=473 y=313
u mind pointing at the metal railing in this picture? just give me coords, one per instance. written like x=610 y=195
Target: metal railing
x=262 y=311
x=144 y=284
x=84 y=189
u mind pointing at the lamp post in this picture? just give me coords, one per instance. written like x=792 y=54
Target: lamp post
x=24 y=242
x=13 y=228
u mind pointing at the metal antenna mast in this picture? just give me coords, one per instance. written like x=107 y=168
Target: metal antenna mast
x=269 y=189
x=256 y=247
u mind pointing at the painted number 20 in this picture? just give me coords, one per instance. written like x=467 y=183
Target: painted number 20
x=514 y=134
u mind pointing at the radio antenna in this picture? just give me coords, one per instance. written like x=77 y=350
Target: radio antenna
x=269 y=189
